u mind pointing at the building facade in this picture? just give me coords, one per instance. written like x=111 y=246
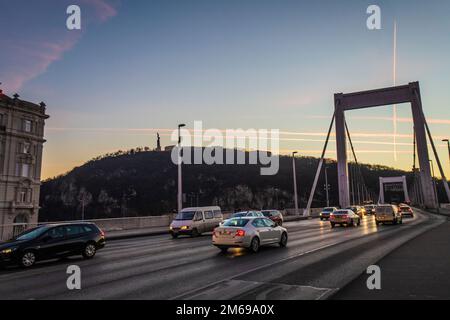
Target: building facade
x=21 y=144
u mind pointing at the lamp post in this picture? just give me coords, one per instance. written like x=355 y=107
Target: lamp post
x=180 y=182
x=295 y=182
x=435 y=187
x=327 y=186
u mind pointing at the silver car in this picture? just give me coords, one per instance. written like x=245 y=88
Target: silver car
x=250 y=233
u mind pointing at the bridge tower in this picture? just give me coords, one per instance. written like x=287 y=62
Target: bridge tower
x=374 y=98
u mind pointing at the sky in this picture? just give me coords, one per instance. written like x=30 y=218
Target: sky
x=140 y=67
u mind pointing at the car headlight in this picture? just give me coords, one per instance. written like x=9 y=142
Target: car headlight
x=8 y=251
x=184 y=227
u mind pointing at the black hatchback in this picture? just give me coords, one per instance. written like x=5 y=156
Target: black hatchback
x=52 y=241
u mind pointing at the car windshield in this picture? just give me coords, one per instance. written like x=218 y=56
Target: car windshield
x=341 y=212
x=31 y=234
x=383 y=210
x=328 y=210
x=185 y=215
x=236 y=223
x=266 y=213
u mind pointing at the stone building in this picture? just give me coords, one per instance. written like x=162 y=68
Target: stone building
x=21 y=144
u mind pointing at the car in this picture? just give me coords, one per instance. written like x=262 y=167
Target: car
x=325 y=214
x=52 y=241
x=370 y=209
x=406 y=210
x=360 y=211
x=345 y=217
x=250 y=213
x=274 y=215
x=250 y=233
x=195 y=221
x=387 y=213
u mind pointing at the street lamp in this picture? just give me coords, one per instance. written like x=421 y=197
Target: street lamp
x=327 y=186
x=435 y=187
x=295 y=182
x=180 y=188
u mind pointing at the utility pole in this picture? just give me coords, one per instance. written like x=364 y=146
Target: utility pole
x=295 y=182
x=180 y=181
x=327 y=186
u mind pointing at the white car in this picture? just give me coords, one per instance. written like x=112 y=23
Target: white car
x=249 y=232
x=345 y=217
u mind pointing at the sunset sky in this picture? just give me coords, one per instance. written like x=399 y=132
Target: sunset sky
x=138 y=67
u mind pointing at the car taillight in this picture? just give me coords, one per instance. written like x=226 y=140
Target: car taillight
x=240 y=233
x=102 y=233
x=215 y=232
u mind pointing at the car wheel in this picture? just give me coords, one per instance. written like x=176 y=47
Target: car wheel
x=401 y=221
x=321 y=219
x=223 y=249
x=89 y=251
x=283 y=240
x=27 y=259
x=254 y=245
x=359 y=223
x=332 y=225
x=195 y=233
x=174 y=235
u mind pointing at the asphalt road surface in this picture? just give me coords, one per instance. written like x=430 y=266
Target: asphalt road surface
x=316 y=263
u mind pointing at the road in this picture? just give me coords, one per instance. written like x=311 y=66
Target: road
x=317 y=262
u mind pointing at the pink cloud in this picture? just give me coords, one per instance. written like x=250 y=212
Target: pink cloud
x=30 y=55
x=103 y=9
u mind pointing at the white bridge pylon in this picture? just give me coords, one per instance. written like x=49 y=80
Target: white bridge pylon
x=386 y=180
x=409 y=93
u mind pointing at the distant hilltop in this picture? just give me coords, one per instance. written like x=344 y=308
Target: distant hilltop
x=141 y=182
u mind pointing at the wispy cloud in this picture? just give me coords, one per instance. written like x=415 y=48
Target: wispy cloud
x=28 y=52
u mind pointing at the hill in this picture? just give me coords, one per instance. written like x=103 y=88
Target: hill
x=139 y=182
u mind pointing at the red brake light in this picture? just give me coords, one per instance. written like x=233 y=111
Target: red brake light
x=102 y=233
x=240 y=233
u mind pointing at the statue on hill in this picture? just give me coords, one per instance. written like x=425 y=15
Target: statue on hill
x=158 y=142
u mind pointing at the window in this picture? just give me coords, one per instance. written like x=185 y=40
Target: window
x=26 y=147
x=208 y=215
x=258 y=223
x=235 y=223
x=269 y=223
x=25 y=170
x=74 y=230
x=27 y=125
x=88 y=229
x=56 y=233
x=218 y=214
x=22 y=197
x=198 y=216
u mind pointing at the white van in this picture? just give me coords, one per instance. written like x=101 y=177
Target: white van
x=195 y=221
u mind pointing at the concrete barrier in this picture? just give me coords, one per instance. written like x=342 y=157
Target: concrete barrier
x=130 y=223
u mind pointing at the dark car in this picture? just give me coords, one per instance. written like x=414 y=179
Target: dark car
x=52 y=241
x=274 y=215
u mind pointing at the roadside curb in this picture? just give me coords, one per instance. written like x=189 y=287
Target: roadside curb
x=333 y=292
